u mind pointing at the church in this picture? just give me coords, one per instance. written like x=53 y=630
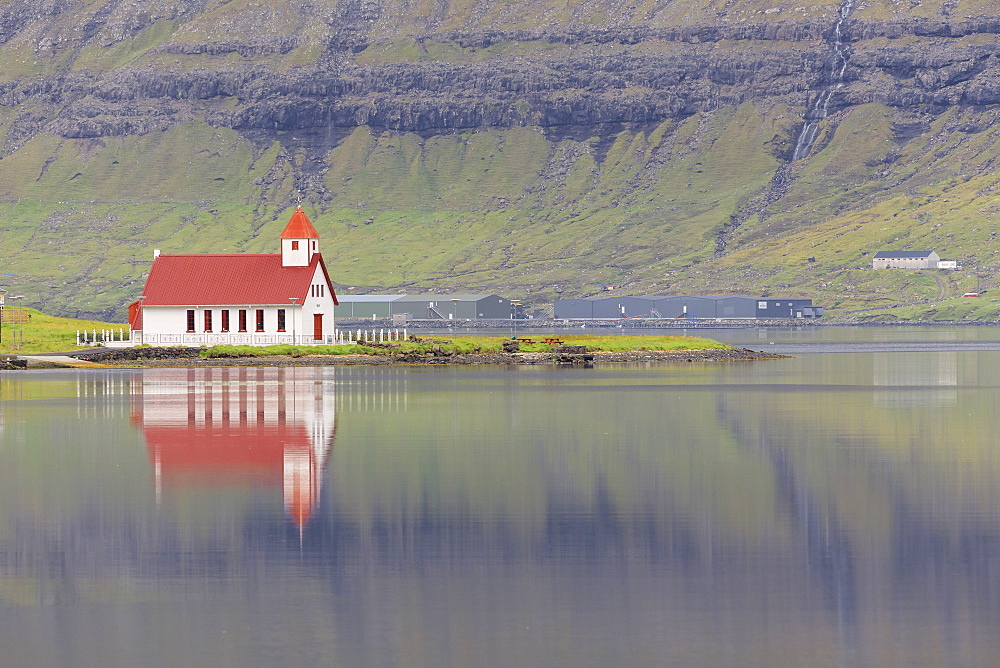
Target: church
x=240 y=299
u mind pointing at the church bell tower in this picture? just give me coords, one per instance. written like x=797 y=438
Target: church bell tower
x=299 y=241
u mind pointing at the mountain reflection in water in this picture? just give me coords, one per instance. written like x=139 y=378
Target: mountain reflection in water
x=823 y=510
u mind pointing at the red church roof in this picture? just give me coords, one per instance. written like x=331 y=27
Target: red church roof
x=299 y=227
x=210 y=280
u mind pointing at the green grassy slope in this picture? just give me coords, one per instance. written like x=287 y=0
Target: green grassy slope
x=513 y=210
x=703 y=202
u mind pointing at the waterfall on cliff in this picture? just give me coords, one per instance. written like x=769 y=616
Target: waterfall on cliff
x=821 y=106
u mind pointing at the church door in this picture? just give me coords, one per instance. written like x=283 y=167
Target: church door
x=317 y=326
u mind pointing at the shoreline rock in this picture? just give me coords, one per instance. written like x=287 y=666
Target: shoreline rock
x=11 y=363
x=158 y=358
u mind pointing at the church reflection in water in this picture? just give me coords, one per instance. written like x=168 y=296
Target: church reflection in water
x=254 y=428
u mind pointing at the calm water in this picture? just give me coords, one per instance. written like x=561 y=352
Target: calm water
x=836 y=509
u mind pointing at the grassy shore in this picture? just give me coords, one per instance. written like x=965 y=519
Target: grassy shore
x=43 y=333
x=473 y=345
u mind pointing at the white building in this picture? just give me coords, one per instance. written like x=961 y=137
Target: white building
x=243 y=299
x=905 y=260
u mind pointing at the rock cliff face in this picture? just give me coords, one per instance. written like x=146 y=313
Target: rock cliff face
x=557 y=77
x=281 y=91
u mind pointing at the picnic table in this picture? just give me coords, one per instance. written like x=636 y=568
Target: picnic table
x=555 y=341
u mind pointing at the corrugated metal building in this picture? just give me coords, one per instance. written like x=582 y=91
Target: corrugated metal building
x=580 y=308
x=668 y=307
x=366 y=306
x=426 y=307
x=785 y=307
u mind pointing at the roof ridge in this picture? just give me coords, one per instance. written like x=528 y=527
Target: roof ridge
x=215 y=254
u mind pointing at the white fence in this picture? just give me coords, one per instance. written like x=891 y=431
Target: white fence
x=121 y=339
x=110 y=338
x=373 y=336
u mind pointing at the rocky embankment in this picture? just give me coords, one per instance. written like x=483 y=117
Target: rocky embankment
x=569 y=355
x=505 y=325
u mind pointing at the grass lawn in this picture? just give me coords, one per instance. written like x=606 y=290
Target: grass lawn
x=47 y=334
x=479 y=344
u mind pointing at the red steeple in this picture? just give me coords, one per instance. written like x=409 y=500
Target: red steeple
x=299 y=227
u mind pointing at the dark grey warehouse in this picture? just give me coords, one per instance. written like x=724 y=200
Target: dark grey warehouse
x=670 y=307
x=427 y=307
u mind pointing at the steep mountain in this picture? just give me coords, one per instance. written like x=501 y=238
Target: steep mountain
x=535 y=148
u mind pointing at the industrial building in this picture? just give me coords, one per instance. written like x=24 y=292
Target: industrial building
x=670 y=307
x=427 y=307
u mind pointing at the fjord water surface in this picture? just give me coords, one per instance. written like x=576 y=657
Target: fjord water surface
x=829 y=509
